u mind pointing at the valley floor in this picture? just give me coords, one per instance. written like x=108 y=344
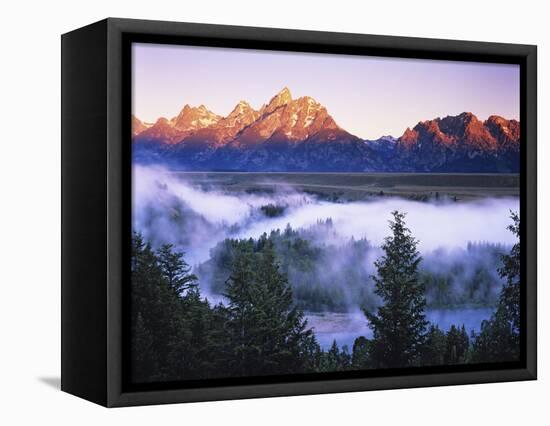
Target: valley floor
x=361 y=186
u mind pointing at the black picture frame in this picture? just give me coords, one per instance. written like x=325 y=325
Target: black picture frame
x=96 y=207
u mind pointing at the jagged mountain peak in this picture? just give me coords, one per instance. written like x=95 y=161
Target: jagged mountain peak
x=307 y=100
x=497 y=119
x=193 y=118
x=137 y=126
x=241 y=116
x=506 y=132
x=286 y=120
x=282 y=98
x=161 y=121
x=241 y=108
x=284 y=94
x=300 y=134
x=448 y=129
x=463 y=141
x=465 y=116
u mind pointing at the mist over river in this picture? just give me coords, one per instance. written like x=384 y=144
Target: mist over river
x=167 y=208
x=346 y=327
x=460 y=243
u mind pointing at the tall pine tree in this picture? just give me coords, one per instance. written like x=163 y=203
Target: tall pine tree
x=458 y=343
x=399 y=325
x=435 y=345
x=156 y=317
x=499 y=338
x=510 y=272
x=175 y=334
x=360 y=353
x=269 y=335
x=175 y=269
x=240 y=312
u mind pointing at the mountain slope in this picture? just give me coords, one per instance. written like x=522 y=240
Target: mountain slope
x=460 y=143
x=289 y=134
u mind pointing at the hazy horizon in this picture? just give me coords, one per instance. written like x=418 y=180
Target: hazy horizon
x=367 y=96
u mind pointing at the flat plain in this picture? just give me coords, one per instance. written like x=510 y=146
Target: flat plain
x=362 y=186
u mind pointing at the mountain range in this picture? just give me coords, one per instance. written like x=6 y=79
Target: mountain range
x=290 y=135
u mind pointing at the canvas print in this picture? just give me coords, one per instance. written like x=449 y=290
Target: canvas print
x=299 y=213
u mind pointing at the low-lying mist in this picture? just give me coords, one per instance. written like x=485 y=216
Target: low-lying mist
x=460 y=242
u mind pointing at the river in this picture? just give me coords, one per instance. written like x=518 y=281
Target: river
x=346 y=327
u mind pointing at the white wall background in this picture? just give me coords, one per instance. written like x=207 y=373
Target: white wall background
x=30 y=211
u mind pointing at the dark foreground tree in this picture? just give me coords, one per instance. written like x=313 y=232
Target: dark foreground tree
x=240 y=313
x=457 y=344
x=268 y=335
x=155 y=317
x=510 y=271
x=399 y=325
x=435 y=345
x=360 y=354
x=499 y=338
x=336 y=359
x=175 y=334
x=176 y=271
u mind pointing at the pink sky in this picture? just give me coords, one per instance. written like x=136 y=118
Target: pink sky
x=368 y=96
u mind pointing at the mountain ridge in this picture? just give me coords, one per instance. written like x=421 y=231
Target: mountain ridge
x=299 y=134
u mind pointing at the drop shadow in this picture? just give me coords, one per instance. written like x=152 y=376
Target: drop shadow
x=53 y=382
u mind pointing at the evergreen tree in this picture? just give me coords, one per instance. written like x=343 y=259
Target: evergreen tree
x=269 y=335
x=345 y=359
x=174 y=331
x=202 y=339
x=360 y=353
x=510 y=272
x=336 y=359
x=155 y=317
x=175 y=269
x=311 y=354
x=499 y=337
x=433 y=351
x=331 y=359
x=457 y=345
x=240 y=313
x=286 y=342
x=399 y=326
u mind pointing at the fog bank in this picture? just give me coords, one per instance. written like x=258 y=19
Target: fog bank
x=167 y=209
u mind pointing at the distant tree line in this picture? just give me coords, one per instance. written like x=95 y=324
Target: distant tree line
x=176 y=334
x=325 y=276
